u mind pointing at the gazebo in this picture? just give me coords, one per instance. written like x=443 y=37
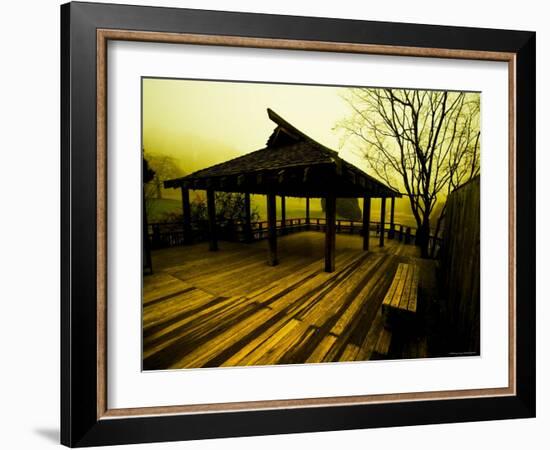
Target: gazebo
x=291 y=164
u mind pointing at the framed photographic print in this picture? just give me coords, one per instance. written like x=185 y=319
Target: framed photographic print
x=276 y=224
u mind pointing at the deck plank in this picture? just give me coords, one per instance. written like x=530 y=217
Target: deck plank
x=204 y=309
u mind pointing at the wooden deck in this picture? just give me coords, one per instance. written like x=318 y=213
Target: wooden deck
x=229 y=308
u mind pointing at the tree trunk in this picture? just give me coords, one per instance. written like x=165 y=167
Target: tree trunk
x=423 y=236
x=440 y=220
x=158 y=186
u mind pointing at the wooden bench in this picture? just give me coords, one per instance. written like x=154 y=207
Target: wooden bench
x=382 y=347
x=398 y=307
x=402 y=296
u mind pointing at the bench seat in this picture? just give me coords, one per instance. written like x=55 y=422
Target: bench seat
x=403 y=292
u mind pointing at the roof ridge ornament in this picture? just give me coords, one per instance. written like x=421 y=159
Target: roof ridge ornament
x=292 y=132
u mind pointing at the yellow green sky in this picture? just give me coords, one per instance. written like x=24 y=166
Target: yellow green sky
x=204 y=122
x=201 y=123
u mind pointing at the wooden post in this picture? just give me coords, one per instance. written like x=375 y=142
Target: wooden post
x=156 y=236
x=283 y=214
x=366 y=222
x=382 y=220
x=330 y=233
x=272 y=229
x=307 y=210
x=408 y=235
x=147 y=263
x=211 y=206
x=186 y=209
x=247 y=225
x=392 y=223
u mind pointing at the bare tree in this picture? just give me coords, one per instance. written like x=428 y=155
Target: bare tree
x=165 y=168
x=422 y=143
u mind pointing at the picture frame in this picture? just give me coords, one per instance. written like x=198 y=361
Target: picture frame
x=86 y=419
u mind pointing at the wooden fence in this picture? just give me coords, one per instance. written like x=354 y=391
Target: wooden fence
x=460 y=265
x=170 y=234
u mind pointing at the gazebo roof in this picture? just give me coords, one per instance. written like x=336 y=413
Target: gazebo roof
x=291 y=164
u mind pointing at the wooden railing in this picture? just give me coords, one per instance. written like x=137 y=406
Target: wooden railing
x=170 y=234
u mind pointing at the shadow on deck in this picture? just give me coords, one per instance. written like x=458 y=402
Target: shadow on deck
x=229 y=308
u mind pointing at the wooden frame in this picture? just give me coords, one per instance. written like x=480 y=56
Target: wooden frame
x=85 y=417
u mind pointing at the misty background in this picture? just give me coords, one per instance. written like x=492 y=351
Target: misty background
x=192 y=124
